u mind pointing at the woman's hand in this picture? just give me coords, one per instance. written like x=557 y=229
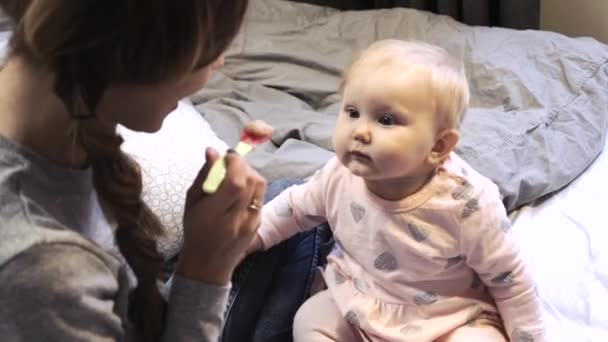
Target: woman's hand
x=220 y=227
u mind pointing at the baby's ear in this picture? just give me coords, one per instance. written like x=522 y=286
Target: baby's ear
x=444 y=145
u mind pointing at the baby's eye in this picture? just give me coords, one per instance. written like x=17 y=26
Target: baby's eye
x=387 y=120
x=352 y=113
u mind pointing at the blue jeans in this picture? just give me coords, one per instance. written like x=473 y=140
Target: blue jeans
x=269 y=287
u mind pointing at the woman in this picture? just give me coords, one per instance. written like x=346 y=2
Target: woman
x=77 y=69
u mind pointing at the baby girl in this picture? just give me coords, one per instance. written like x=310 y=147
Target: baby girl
x=423 y=250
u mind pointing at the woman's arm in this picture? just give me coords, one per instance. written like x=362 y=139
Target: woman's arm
x=195 y=311
x=62 y=292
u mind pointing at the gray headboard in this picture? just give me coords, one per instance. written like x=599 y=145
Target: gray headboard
x=518 y=14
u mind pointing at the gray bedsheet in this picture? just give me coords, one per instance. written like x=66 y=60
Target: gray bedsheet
x=539 y=105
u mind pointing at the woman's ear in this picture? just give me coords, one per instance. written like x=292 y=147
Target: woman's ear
x=444 y=145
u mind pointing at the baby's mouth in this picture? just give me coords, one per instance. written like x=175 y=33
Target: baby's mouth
x=359 y=155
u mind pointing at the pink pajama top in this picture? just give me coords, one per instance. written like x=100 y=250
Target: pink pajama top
x=417 y=268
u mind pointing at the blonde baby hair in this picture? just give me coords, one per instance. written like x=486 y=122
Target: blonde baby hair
x=447 y=77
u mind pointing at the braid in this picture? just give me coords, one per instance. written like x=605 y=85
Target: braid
x=118 y=182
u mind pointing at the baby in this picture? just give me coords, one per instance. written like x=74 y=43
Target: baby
x=423 y=250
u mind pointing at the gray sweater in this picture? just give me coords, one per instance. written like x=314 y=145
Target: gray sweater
x=61 y=276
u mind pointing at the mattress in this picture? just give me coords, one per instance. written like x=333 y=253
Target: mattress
x=565 y=241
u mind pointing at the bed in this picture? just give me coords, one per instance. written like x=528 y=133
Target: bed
x=564 y=239
x=537 y=127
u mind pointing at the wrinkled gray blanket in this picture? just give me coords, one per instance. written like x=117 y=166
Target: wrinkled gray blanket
x=539 y=105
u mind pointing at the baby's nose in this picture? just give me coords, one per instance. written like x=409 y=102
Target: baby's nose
x=362 y=133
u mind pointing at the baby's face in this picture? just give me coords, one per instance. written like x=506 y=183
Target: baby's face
x=386 y=127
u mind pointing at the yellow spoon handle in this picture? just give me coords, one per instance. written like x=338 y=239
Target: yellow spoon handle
x=216 y=174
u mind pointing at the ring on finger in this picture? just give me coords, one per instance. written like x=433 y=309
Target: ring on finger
x=255 y=204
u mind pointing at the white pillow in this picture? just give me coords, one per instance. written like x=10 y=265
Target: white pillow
x=170 y=160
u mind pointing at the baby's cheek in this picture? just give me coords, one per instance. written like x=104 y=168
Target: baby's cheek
x=335 y=141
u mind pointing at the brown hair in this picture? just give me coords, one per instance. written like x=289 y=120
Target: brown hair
x=88 y=45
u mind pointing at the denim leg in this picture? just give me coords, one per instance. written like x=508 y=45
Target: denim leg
x=269 y=287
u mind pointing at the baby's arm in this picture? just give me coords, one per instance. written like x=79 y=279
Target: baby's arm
x=494 y=254
x=296 y=209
